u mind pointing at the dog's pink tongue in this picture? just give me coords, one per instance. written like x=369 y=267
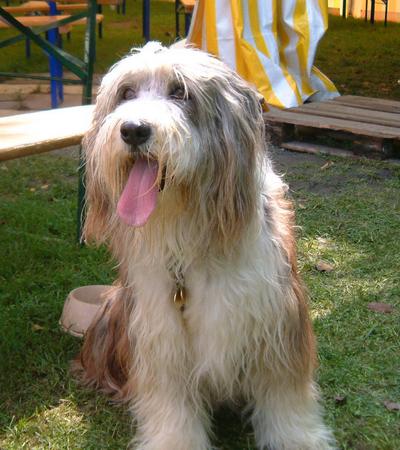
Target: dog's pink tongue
x=139 y=196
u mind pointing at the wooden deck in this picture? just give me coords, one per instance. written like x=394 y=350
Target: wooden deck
x=355 y=125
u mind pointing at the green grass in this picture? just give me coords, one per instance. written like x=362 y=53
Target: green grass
x=360 y=58
x=349 y=214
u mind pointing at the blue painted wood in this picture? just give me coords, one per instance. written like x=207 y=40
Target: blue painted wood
x=52 y=36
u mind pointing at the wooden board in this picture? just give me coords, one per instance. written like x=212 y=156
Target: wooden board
x=374 y=104
x=342 y=111
x=38 y=21
x=188 y=5
x=322 y=122
x=43 y=7
x=316 y=149
x=28 y=7
x=99 y=2
x=38 y=132
x=72 y=7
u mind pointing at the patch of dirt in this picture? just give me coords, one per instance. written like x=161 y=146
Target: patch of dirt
x=311 y=173
x=333 y=184
x=125 y=25
x=285 y=161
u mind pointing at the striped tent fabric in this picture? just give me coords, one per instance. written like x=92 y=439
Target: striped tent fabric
x=270 y=43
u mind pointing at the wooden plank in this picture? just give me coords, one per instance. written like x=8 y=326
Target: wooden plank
x=99 y=2
x=337 y=110
x=73 y=7
x=375 y=104
x=316 y=149
x=37 y=21
x=38 y=132
x=34 y=21
x=317 y=121
x=28 y=7
x=43 y=7
x=188 y=5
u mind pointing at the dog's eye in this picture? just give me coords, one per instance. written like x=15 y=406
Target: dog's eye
x=178 y=93
x=128 y=94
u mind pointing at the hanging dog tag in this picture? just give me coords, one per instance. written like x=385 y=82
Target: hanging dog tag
x=180 y=298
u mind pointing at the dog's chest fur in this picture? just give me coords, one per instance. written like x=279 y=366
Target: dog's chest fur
x=226 y=313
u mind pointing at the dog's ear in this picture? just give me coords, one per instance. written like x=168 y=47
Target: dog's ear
x=239 y=132
x=97 y=208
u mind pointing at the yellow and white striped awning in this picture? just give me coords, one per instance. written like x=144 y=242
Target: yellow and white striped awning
x=270 y=43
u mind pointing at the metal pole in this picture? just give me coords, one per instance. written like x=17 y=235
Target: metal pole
x=344 y=7
x=54 y=68
x=146 y=20
x=177 y=4
x=372 y=12
x=386 y=11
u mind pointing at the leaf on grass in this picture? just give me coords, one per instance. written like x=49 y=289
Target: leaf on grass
x=391 y=406
x=340 y=399
x=323 y=266
x=32 y=189
x=380 y=307
x=37 y=327
x=323 y=242
x=327 y=165
x=301 y=206
x=44 y=187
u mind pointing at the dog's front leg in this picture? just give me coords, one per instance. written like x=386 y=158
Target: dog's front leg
x=168 y=421
x=287 y=416
x=168 y=408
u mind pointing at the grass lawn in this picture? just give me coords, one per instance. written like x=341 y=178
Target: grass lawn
x=349 y=214
x=361 y=59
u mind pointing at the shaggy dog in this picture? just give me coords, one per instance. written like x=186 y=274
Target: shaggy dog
x=208 y=306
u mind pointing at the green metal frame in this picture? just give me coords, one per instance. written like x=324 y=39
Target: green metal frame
x=82 y=69
x=74 y=64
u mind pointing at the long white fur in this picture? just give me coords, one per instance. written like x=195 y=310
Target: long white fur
x=229 y=343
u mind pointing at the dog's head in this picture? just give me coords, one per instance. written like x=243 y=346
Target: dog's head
x=173 y=120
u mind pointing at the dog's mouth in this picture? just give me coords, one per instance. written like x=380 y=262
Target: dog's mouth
x=139 y=197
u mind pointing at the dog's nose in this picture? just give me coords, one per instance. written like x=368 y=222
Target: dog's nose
x=135 y=133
